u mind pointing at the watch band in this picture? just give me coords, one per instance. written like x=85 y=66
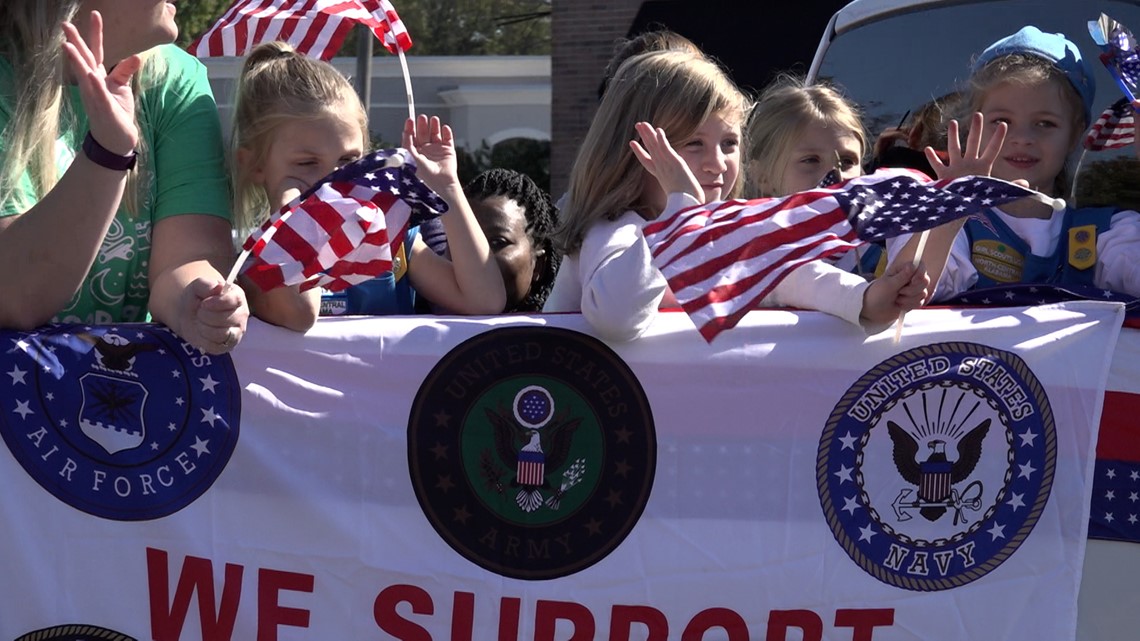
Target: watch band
x=104 y=157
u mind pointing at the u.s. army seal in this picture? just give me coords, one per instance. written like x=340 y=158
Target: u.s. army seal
x=532 y=450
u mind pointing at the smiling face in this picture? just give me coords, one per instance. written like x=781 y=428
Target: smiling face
x=812 y=154
x=503 y=222
x=303 y=151
x=1041 y=131
x=712 y=154
x=130 y=26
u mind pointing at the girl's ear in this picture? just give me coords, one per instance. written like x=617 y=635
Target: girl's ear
x=245 y=161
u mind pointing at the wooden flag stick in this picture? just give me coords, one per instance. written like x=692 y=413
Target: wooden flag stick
x=917 y=259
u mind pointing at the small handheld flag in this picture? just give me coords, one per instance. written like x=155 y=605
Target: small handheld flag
x=722 y=258
x=315 y=28
x=1115 y=128
x=344 y=230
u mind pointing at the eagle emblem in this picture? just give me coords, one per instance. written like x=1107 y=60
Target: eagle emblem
x=532 y=439
x=936 y=476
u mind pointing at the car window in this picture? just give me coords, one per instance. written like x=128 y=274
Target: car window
x=894 y=65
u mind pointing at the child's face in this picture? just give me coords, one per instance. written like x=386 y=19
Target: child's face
x=1041 y=132
x=712 y=154
x=814 y=152
x=305 y=150
x=503 y=222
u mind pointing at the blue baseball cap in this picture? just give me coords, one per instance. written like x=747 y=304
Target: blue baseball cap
x=1053 y=47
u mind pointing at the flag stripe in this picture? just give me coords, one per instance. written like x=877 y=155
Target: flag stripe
x=313 y=27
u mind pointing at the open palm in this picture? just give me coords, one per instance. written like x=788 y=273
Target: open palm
x=108 y=99
x=432 y=145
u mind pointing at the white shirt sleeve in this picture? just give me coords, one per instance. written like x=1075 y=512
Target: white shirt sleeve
x=620 y=288
x=821 y=286
x=1118 y=254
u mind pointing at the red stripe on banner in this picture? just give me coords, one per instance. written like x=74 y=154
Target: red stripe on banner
x=1120 y=427
x=215 y=43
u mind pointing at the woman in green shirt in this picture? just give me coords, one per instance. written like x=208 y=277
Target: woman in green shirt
x=113 y=194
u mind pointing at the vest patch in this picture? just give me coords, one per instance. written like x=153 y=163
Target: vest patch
x=997 y=261
x=1082 y=246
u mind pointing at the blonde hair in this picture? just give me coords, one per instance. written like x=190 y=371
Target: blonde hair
x=31 y=40
x=1026 y=70
x=277 y=86
x=674 y=90
x=782 y=113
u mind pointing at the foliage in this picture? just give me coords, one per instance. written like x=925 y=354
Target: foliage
x=524 y=155
x=1114 y=182
x=437 y=27
x=194 y=18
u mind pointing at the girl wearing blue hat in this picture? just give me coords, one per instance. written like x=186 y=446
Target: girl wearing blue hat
x=1039 y=88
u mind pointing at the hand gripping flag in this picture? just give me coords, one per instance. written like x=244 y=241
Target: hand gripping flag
x=722 y=258
x=314 y=27
x=344 y=230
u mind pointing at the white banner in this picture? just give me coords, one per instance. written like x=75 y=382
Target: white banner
x=514 y=478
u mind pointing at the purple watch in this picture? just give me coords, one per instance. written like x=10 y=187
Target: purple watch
x=104 y=157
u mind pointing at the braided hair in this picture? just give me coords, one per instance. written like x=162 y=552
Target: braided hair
x=540 y=221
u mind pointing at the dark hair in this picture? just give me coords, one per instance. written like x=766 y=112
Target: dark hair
x=660 y=39
x=539 y=225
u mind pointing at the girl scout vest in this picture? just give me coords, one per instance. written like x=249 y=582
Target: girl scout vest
x=1001 y=257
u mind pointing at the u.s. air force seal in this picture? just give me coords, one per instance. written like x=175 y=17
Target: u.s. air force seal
x=75 y=633
x=125 y=422
x=935 y=466
x=532 y=450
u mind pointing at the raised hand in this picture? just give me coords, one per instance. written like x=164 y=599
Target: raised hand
x=659 y=158
x=432 y=145
x=973 y=161
x=107 y=97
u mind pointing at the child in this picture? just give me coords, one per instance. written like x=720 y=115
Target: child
x=607 y=273
x=797 y=133
x=517 y=218
x=296 y=120
x=1038 y=87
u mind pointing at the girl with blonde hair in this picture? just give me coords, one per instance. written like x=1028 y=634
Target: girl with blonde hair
x=297 y=120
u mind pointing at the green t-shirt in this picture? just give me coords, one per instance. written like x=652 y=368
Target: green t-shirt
x=184 y=173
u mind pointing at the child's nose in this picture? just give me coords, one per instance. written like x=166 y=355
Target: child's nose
x=716 y=161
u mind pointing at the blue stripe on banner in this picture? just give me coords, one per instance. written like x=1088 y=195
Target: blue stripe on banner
x=1115 y=513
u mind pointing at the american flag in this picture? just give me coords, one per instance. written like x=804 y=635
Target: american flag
x=1030 y=294
x=721 y=259
x=313 y=27
x=1115 y=128
x=344 y=230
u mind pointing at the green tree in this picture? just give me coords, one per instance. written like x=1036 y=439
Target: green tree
x=1114 y=182
x=194 y=18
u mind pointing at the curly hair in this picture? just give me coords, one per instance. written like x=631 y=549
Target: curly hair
x=540 y=221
